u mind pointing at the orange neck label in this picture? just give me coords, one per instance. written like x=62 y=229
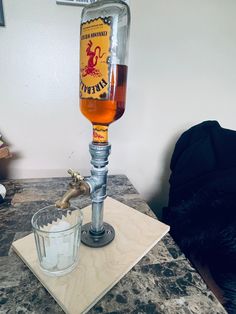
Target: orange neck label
x=95 y=41
x=100 y=133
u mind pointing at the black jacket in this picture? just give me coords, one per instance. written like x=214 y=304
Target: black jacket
x=204 y=155
x=202 y=201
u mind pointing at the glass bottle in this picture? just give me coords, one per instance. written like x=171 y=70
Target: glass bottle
x=104 y=39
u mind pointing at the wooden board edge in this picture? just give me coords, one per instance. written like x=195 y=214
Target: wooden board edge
x=34 y=273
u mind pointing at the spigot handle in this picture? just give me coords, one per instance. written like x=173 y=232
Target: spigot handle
x=75 y=175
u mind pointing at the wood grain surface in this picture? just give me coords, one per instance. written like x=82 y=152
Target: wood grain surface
x=99 y=269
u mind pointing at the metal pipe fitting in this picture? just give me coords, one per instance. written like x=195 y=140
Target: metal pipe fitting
x=97 y=233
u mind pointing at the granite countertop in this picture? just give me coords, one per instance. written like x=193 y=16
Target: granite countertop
x=163 y=282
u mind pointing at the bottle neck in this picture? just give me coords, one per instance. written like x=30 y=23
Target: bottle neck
x=100 y=134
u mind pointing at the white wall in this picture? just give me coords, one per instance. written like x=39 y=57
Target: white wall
x=182 y=71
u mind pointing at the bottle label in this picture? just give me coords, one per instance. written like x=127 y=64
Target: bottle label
x=95 y=44
x=100 y=133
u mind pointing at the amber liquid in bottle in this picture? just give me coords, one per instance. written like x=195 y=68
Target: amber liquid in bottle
x=103 y=57
x=106 y=111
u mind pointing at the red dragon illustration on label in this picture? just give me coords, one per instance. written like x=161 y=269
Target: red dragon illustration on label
x=93 y=56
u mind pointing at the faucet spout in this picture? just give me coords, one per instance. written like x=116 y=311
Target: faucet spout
x=76 y=188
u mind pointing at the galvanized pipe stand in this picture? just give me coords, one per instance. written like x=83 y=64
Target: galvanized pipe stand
x=98 y=233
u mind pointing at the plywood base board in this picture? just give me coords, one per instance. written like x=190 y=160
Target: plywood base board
x=99 y=269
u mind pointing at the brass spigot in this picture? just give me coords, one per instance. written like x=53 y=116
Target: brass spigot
x=75 y=175
x=77 y=187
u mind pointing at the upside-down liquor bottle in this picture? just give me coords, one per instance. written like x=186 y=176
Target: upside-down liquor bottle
x=104 y=39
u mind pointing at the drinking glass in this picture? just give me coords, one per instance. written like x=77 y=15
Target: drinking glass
x=57 y=235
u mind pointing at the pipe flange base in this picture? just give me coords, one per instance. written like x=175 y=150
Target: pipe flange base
x=91 y=239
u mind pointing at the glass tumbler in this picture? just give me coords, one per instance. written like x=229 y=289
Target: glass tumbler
x=57 y=235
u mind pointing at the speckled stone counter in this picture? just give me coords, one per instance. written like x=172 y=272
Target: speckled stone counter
x=162 y=282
